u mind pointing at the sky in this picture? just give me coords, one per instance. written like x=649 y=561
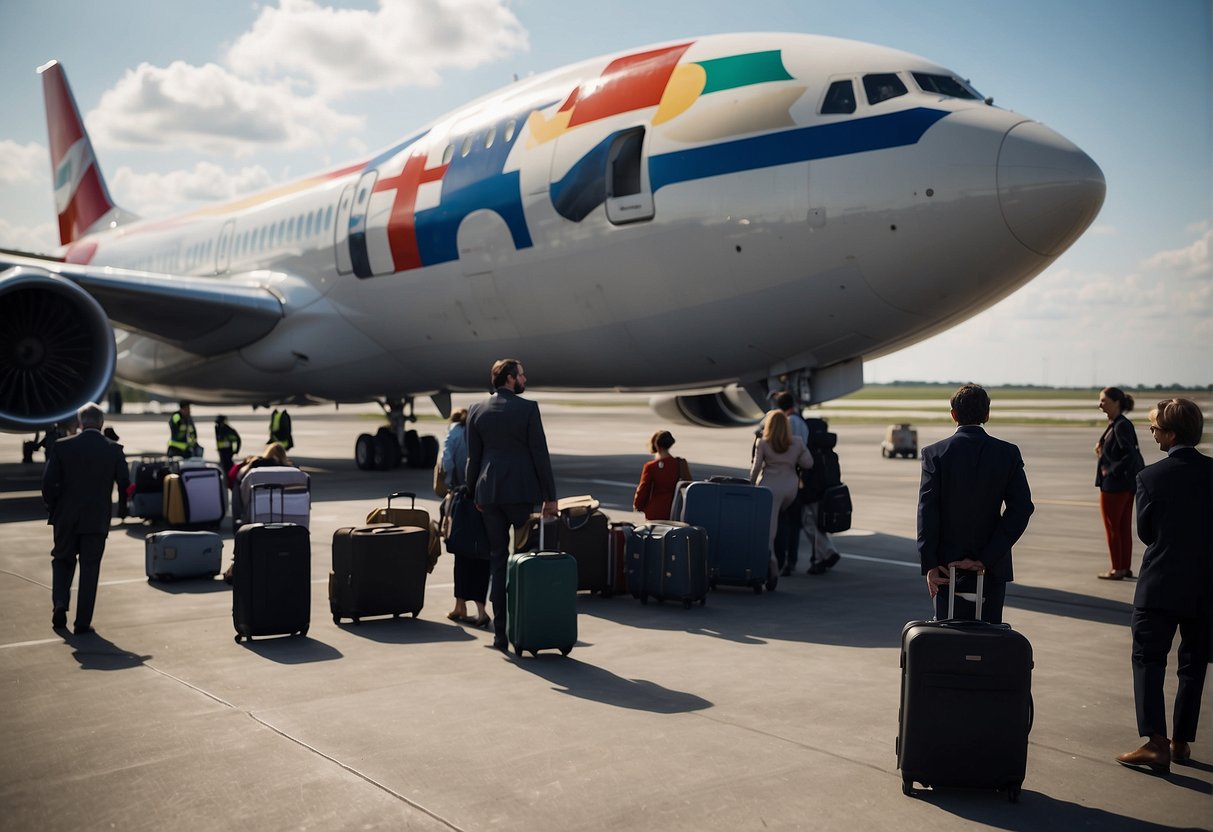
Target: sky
x=190 y=103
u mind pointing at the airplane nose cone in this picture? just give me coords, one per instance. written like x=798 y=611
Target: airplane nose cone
x=1049 y=190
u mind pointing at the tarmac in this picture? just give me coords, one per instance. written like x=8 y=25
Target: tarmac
x=771 y=711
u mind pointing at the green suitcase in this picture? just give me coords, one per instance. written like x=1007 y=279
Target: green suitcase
x=541 y=602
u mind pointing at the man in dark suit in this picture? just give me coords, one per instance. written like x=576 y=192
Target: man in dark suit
x=508 y=472
x=973 y=505
x=77 y=487
x=1174 y=511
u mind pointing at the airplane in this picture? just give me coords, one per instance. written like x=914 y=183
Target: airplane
x=707 y=220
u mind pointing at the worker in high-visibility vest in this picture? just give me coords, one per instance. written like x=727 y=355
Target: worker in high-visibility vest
x=227 y=441
x=280 y=429
x=183 y=436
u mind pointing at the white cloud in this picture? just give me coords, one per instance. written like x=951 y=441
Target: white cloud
x=1190 y=261
x=22 y=162
x=402 y=43
x=208 y=109
x=35 y=239
x=152 y=194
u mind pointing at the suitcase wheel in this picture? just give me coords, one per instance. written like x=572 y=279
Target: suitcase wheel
x=238 y=637
x=564 y=651
x=686 y=603
x=703 y=601
x=907 y=786
x=644 y=599
x=303 y=633
x=358 y=620
x=757 y=589
x=416 y=613
x=1013 y=793
x=517 y=651
x=337 y=620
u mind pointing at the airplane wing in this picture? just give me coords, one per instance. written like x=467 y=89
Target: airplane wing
x=203 y=315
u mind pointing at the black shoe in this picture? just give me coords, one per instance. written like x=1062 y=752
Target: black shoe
x=501 y=644
x=816 y=568
x=831 y=560
x=59 y=618
x=83 y=631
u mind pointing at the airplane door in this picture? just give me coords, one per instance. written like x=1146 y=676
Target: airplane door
x=341 y=230
x=359 y=256
x=223 y=251
x=628 y=197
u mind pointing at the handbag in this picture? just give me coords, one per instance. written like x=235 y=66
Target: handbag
x=440 y=489
x=465 y=534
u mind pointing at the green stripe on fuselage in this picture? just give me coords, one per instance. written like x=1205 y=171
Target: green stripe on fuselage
x=743 y=70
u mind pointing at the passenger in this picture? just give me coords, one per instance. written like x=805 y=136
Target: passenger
x=659 y=477
x=183 y=436
x=777 y=456
x=77 y=487
x=973 y=505
x=471 y=573
x=280 y=429
x=1115 y=475
x=509 y=470
x=227 y=442
x=1174 y=511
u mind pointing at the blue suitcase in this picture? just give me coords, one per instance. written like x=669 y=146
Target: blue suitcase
x=737 y=519
x=667 y=561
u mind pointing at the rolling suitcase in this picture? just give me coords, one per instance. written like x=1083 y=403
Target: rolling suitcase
x=196 y=496
x=176 y=554
x=147 y=477
x=581 y=531
x=617 y=557
x=378 y=570
x=966 y=702
x=297 y=505
x=541 y=600
x=271 y=578
x=737 y=519
x=668 y=561
x=411 y=516
x=172 y=507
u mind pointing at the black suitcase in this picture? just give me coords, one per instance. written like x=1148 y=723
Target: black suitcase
x=378 y=570
x=834 y=509
x=271 y=579
x=582 y=532
x=966 y=703
x=667 y=561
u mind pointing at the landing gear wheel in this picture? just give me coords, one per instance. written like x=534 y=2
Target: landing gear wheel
x=385 y=451
x=412 y=450
x=364 y=452
x=429 y=451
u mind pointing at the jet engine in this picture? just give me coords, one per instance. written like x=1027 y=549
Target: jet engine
x=728 y=408
x=57 y=349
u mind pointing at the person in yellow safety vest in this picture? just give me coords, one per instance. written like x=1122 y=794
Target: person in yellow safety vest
x=280 y=429
x=183 y=437
x=227 y=441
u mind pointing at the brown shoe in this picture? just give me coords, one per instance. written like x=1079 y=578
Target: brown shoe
x=1154 y=755
x=1181 y=752
x=1113 y=575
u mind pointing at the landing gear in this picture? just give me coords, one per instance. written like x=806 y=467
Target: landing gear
x=392 y=445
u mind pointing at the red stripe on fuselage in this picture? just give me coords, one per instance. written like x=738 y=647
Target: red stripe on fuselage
x=401 y=226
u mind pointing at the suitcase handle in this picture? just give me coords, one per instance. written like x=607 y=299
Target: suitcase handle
x=272 y=486
x=981 y=589
x=408 y=494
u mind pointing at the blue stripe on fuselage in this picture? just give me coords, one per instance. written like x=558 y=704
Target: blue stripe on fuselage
x=790 y=146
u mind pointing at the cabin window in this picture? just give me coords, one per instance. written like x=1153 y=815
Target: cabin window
x=489 y=136
x=328 y=218
x=448 y=154
x=510 y=126
x=944 y=85
x=311 y=222
x=466 y=148
x=840 y=98
x=881 y=86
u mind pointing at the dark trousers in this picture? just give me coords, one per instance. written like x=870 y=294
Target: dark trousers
x=471 y=578
x=787 y=534
x=995 y=595
x=68 y=546
x=1153 y=632
x=498 y=520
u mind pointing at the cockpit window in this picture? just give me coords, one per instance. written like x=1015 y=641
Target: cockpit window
x=840 y=98
x=945 y=85
x=881 y=86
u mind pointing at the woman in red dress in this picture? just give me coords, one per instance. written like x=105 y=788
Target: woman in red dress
x=655 y=494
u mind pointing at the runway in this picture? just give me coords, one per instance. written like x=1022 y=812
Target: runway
x=773 y=711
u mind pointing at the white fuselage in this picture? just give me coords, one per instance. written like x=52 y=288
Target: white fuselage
x=780 y=237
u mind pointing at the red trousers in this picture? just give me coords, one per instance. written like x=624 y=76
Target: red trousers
x=1117 y=510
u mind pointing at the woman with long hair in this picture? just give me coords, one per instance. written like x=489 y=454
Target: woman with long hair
x=776 y=457
x=1116 y=478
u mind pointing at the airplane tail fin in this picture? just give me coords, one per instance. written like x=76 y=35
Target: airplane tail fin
x=81 y=197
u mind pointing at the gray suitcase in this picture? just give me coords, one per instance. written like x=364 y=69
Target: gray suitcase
x=175 y=554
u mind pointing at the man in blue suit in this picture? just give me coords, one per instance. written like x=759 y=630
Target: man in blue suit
x=509 y=470
x=973 y=505
x=77 y=487
x=1175 y=521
